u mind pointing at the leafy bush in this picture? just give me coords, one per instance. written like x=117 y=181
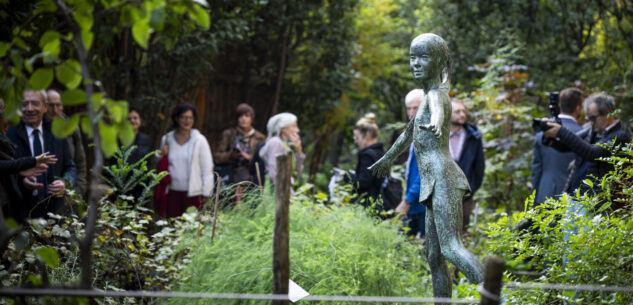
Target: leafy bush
x=577 y=239
x=131 y=250
x=333 y=251
x=503 y=108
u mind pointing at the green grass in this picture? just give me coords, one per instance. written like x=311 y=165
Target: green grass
x=333 y=251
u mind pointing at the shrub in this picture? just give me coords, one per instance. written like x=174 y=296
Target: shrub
x=333 y=251
x=577 y=239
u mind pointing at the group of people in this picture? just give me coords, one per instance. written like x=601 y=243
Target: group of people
x=466 y=149
x=574 y=151
x=36 y=168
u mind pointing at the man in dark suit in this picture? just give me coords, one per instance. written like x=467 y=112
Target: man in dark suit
x=591 y=144
x=467 y=149
x=33 y=136
x=549 y=166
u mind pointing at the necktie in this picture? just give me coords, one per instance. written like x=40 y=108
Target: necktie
x=37 y=150
x=37 y=144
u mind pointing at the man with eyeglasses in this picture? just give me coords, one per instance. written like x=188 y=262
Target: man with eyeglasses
x=55 y=110
x=588 y=144
x=550 y=168
x=33 y=136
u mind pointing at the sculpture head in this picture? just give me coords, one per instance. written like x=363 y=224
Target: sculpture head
x=429 y=60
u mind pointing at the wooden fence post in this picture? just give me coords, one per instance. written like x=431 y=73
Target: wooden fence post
x=493 y=274
x=281 y=262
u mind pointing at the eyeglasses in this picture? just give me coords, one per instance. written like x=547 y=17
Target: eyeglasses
x=591 y=118
x=186 y=118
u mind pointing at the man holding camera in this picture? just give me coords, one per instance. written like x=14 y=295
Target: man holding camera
x=587 y=144
x=549 y=166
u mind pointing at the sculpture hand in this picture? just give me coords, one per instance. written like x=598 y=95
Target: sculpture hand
x=434 y=128
x=381 y=167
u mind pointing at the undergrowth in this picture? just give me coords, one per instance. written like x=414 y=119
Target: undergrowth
x=334 y=250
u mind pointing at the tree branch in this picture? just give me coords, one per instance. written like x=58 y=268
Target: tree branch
x=93 y=197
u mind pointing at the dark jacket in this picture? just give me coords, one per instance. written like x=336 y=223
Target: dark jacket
x=9 y=177
x=585 y=145
x=472 y=160
x=550 y=168
x=143 y=147
x=64 y=169
x=365 y=183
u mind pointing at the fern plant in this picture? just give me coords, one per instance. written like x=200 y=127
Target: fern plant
x=124 y=177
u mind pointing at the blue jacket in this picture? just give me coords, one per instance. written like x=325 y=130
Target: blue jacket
x=472 y=160
x=413 y=185
x=550 y=167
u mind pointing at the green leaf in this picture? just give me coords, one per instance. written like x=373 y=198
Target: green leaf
x=157 y=20
x=41 y=78
x=126 y=133
x=86 y=37
x=84 y=19
x=50 y=42
x=45 y=6
x=69 y=74
x=48 y=37
x=49 y=256
x=108 y=139
x=63 y=128
x=141 y=32
x=73 y=97
x=4 y=47
x=85 y=126
x=200 y=16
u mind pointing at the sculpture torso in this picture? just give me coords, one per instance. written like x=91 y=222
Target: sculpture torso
x=437 y=168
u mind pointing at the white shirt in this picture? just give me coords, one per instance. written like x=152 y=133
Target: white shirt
x=456 y=143
x=29 y=132
x=179 y=162
x=566 y=116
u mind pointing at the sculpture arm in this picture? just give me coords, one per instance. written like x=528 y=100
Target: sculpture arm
x=437 y=104
x=382 y=166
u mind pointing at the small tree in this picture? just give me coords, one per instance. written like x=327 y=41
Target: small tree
x=56 y=42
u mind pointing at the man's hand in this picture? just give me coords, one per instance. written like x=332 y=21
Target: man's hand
x=57 y=188
x=45 y=158
x=34 y=171
x=30 y=183
x=552 y=132
x=402 y=209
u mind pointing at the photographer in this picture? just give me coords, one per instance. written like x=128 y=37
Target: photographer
x=605 y=130
x=549 y=166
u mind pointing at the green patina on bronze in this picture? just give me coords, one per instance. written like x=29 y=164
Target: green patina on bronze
x=443 y=183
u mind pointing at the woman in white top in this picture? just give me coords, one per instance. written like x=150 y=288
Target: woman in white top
x=283 y=136
x=190 y=163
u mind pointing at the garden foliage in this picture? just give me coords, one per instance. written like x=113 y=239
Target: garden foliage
x=333 y=251
x=575 y=239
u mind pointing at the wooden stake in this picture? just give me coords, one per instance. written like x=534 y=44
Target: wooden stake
x=281 y=262
x=493 y=274
x=259 y=179
x=215 y=208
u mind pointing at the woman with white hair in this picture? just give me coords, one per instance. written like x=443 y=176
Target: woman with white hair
x=283 y=136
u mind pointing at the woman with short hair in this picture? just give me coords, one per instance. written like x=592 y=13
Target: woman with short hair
x=189 y=161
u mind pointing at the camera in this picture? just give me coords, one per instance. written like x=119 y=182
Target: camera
x=539 y=125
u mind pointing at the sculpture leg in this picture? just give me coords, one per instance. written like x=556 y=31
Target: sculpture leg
x=442 y=286
x=447 y=211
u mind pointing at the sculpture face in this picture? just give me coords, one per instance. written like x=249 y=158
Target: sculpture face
x=424 y=65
